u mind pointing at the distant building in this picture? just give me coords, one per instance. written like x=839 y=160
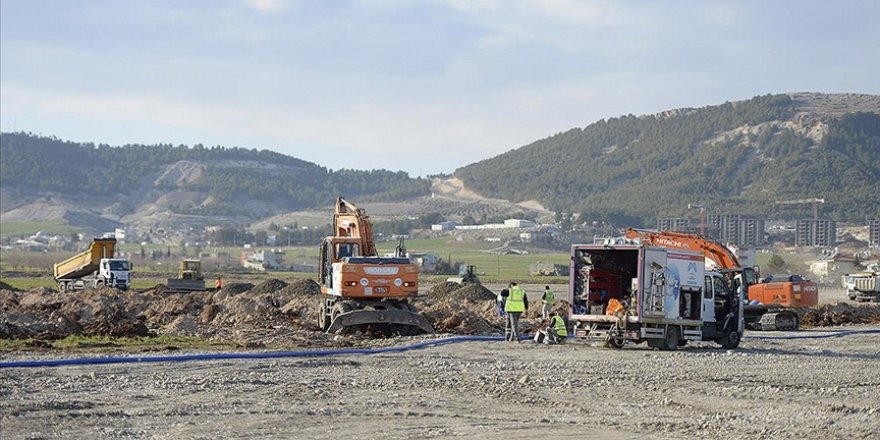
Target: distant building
x=831 y=267
x=674 y=224
x=734 y=228
x=263 y=260
x=518 y=223
x=444 y=226
x=815 y=232
x=511 y=223
x=874 y=233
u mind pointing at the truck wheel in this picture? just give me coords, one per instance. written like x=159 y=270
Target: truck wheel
x=323 y=322
x=99 y=284
x=730 y=340
x=62 y=287
x=614 y=342
x=670 y=341
x=852 y=296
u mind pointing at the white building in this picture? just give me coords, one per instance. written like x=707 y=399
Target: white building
x=263 y=260
x=518 y=223
x=444 y=226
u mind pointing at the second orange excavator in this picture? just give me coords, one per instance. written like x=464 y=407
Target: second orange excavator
x=358 y=287
x=771 y=300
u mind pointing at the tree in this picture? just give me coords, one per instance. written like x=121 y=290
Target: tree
x=776 y=263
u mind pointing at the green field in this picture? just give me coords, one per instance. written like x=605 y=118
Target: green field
x=30 y=228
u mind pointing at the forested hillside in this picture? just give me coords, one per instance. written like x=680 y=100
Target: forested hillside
x=734 y=157
x=215 y=180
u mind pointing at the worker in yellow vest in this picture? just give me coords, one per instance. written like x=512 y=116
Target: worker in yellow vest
x=557 y=331
x=547 y=302
x=514 y=305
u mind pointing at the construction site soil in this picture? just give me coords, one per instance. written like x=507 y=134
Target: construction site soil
x=768 y=388
x=274 y=313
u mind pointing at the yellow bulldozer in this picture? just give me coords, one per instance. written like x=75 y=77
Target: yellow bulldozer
x=189 y=277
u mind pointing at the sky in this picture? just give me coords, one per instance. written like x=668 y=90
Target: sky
x=424 y=86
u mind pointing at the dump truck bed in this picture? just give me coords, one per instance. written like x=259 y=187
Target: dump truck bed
x=86 y=262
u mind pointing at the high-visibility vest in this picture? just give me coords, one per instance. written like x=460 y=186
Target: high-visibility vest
x=514 y=301
x=559 y=325
x=548 y=296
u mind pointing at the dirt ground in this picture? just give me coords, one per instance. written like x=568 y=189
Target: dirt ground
x=768 y=388
x=806 y=388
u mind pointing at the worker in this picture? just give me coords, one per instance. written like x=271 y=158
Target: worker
x=499 y=300
x=516 y=303
x=547 y=301
x=218 y=284
x=557 y=331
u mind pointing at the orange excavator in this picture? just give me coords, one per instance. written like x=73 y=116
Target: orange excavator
x=358 y=287
x=770 y=300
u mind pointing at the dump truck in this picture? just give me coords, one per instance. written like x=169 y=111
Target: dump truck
x=635 y=293
x=189 y=277
x=360 y=288
x=95 y=267
x=862 y=286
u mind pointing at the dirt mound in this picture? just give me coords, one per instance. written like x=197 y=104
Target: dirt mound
x=269 y=286
x=841 y=314
x=451 y=316
x=236 y=288
x=300 y=287
x=470 y=292
x=273 y=312
x=51 y=315
x=4 y=286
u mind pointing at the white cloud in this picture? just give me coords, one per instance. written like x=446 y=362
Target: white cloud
x=268 y=6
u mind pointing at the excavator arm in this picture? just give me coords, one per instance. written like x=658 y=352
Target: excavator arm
x=713 y=250
x=349 y=221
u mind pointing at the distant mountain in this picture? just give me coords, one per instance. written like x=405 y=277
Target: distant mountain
x=44 y=178
x=734 y=157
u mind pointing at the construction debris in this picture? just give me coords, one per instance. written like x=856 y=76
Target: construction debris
x=272 y=312
x=841 y=314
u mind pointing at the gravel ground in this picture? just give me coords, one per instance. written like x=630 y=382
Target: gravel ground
x=807 y=388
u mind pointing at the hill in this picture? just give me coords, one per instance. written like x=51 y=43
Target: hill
x=733 y=157
x=44 y=178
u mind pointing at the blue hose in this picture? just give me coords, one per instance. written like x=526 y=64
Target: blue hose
x=335 y=352
x=832 y=334
x=256 y=355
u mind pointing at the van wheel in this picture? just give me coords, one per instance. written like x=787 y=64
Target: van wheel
x=670 y=342
x=730 y=340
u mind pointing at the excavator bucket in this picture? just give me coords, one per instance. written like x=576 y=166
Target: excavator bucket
x=374 y=316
